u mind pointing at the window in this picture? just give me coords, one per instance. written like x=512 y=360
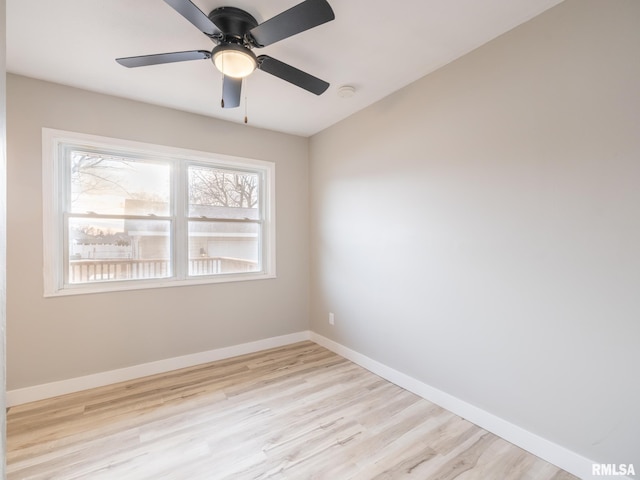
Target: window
x=124 y=215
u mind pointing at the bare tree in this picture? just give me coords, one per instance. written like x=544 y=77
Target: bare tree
x=246 y=187
x=208 y=186
x=91 y=173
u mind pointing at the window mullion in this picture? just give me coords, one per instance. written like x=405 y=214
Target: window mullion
x=63 y=206
x=180 y=245
x=63 y=272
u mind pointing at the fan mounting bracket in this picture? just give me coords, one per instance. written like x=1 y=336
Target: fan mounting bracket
x=234 y=22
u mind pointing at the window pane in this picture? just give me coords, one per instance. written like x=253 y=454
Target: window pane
x=111 y=185
x=217 y=193
x=104 y=250
x=223 y=247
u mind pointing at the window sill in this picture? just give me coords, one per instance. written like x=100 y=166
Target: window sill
x=108 y=287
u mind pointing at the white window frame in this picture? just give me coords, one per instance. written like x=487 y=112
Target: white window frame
x=53 y=186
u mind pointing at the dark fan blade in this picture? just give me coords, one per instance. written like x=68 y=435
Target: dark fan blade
x=231 y=89
x=303 y=16
x=192 y=13
x=158 y=58
x=291 y=74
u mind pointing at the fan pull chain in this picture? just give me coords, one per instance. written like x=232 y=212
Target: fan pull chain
x=245 y=87
x=222 y=96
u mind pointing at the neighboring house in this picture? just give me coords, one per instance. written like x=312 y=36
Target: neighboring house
x=141 y=250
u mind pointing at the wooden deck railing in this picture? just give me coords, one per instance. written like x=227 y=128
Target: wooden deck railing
x=86 y=271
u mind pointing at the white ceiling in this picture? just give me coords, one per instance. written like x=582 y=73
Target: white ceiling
x=376 y=46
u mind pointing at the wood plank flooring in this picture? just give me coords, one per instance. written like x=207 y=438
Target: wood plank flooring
x=297 y=412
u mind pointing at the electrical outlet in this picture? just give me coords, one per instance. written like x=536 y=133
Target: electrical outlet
x=332 y=319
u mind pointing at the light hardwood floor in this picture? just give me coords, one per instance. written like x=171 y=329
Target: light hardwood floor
x=297 y=412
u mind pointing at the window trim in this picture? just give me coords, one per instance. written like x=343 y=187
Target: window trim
x=53 y=231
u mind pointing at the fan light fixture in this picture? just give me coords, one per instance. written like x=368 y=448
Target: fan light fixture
x=234 y=60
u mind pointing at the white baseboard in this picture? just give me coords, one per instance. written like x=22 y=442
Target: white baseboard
x=62 y=387
x=541 y=447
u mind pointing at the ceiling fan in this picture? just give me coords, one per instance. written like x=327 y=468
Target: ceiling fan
x=236 y=33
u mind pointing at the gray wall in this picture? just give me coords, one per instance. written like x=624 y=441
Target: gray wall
x=59 y=338
x=479 y=229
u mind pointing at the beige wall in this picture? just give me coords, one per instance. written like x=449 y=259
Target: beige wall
x=59 y=338
x=3 y=215
x=479 y=229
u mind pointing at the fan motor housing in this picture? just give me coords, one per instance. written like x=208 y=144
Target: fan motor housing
x=234 y=22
